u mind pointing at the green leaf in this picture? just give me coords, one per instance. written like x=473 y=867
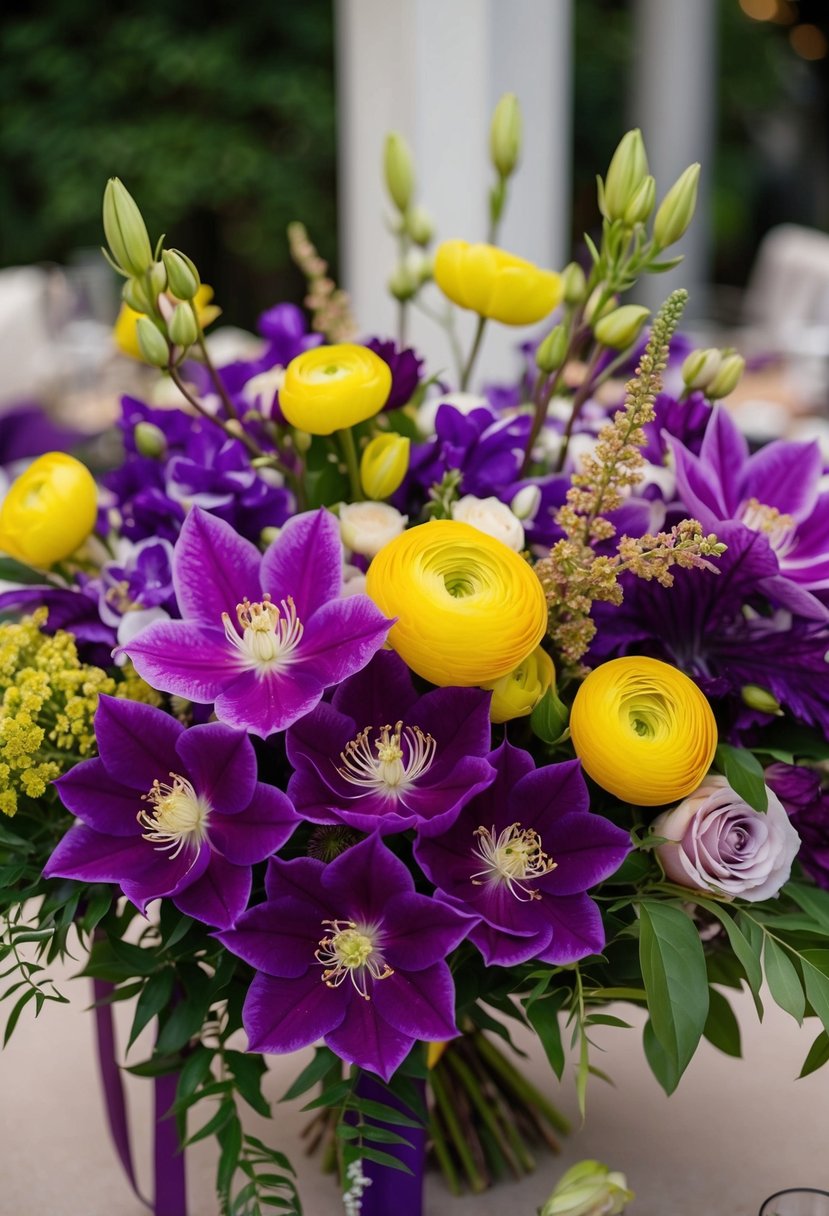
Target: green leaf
x=813 y=901
x=721 y=1026
x=383 y=1135
x=183 y=1024
x=248 y=1071
x=374 y=1154
x=661 y=1064
x=818 y=1055
x=14 y=1016
x=223 y=1115
x=543 y=1017
x=550 y=717
x=817 y=991
x=783 y=980
x=673 y=969
x=746 y=948
x=12 y=571
x=311 y=1074
x=332 y=1095
x=230 y=1140
x=385 y=1114
x=744 y=773
x=154 y=997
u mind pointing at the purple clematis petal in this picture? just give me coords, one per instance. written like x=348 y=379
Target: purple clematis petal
x=135 y=746
x=219 y=896
x=214 y=569
x=286 y=563
x=187 y=659
x=283 y=1015
x=366 y=1039
x=89 y=792
x=221 y=763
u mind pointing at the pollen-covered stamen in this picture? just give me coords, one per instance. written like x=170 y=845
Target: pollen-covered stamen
x=178 y=818
x=513 y=857
x=270 y=634
x=778 y=528
x=390 y=771
x=351 y=950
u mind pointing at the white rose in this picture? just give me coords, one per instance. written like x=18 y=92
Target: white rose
x=492 y=516
x=367 y=526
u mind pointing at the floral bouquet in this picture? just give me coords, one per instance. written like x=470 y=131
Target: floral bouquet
x=348 y=709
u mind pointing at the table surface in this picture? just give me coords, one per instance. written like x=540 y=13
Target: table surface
x=735 y=1131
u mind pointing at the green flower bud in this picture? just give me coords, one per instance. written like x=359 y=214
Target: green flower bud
x=628 y=169
x=620 y=328
x=183 y=327
x=398 y=170
x=727 y=378
x=134 y=294
x=403 y=283
x=125 y=230
x=700 y=367
x=505 y=135
x=756 y=697
x=419 y=226
x=676 y=209
x=574 y=283
x=641 y=203
x=182 y=276
x=592 y=311
x=588 y=1189
x=552 y=351
x=151 y=342
x=158 y=280
x=149 y=439
x=302 y=441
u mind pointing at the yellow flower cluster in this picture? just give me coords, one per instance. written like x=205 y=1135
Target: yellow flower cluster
x=48 y=699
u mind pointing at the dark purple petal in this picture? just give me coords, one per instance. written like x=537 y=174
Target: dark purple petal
x=318 y=738
x=438 y=806
x=164 y=875
x=548 y=794
x=89 y=792
x=186 y=659
x=305 y=562
x=363 y=879
x=697 y=488
x=219 y=896
x=458 y=720
x=255 y=833
x=382 y=692
x=214 y=569
x=300 y=879
x=577 y=929
x=419 y=1003
x=221 y=764
x=785 y=475
x=265 y=702
x=586 y=849
x=500 y=949
x=724 y=452
x=278 y=937
x=418 y=931
x=341 y=637
x=282 y=1015
x=137 y=742
x=366 y=1039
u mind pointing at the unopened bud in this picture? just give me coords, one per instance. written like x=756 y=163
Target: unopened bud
x=620 y=328
x=505 y=135
x=182 y=275
x=552 y=352
x=588 y=1189
x=398 y=170
x=134 y=294
x=125 y=230
x=598 y=304
x=158 y=280
x=149 y=440
x=526 y=502
x=574 y=283
x=383 y=465
x=268 y=535
x=302 y=441
x=626 y=172
x=700 y=367
x=676 y=209
x=419 y=226
x=761 y=699
x=403 y=284
x=183 y=328
x=641 y=203
x=727 y=377
x=151 y=342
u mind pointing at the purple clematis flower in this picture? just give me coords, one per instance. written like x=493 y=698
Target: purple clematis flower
x=406 y=369
x=380 y=757
x=350 y=953
x=170 y=812
x=262 y=636
x=521 y=856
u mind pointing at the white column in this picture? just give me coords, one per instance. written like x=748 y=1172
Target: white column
x=673 y=101
x=434 y=69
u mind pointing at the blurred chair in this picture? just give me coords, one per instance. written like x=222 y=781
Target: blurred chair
x=787 y=296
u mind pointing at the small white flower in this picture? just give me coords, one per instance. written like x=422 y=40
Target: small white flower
x=492 y=516
x=366 y=527
x=526 y=503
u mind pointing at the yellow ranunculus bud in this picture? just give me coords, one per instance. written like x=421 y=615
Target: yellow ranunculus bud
x=125 y=230
x=384 y=463
x=49 y=510
x=496 y=284
x=332 y=387
x=643 y=730
x=517 y=694
x=469 y=609
x=126 y=324
x=620 y=328
x=676 y=209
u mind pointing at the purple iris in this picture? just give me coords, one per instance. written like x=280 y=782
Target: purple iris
x=380 y=757
x=774 y=492
x=405 y=368
x=350 y=953
x=807 y=803
x=262 y=637
x=170 y=812
x=521 y=856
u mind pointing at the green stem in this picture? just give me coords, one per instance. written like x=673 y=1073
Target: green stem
x=234 y=432
x=447 y=1165
x=520 y=1085
x=351 y=463
x=214 y=375
x=477 y=1182
x=473 y=354
x=484 y=1109
x=584 y=390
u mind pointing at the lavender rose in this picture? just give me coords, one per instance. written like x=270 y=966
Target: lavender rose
x=719 y=844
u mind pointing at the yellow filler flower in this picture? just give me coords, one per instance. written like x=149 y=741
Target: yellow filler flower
x=496 y=284
x=517 y=694
x=643 y=730
x=469 y=609
x=49 y=510
x=330 y=388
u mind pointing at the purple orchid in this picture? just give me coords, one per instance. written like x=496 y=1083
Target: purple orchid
x=521 y=856
x=170 y=812
x=381 y=757
x=262 y=637
x=350 y=953
x=774 y=492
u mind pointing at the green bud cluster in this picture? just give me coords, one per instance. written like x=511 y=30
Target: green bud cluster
x=714 y=372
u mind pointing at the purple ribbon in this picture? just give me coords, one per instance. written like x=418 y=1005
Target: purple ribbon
x=391 y=1190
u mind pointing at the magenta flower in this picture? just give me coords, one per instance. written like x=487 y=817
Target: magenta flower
x=170 y=812
x=380 y=757
x=262 y=637
x=521 y=857
x=350 y=953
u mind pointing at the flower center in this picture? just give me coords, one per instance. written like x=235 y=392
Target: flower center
x=391 y=771
x=778 y=528
x=270 y=634
x=178 y=818
x=351 y=950
x=512 y=857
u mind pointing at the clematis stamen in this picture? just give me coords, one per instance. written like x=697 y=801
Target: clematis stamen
x=512 y=857
x=779 y=528
x=178 y=818
x=270 y=633
x=389 y=771
x=351 y=950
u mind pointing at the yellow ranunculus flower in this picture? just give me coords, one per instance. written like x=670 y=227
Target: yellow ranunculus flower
x=125 y=331
x=383 y=464
x=332 y=387
x=643 y=730
x=49 y=510
x=496 y=284
x=469 y=609
x=517 y=694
